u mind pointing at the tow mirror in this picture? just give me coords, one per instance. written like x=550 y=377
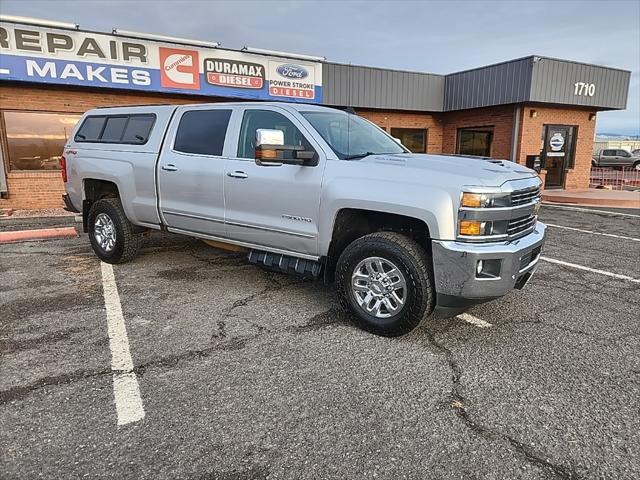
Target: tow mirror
x=270 y=148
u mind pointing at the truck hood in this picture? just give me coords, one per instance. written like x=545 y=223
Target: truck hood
x=479 y=171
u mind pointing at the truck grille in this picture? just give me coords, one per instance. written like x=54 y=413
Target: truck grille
x=521 y=225
x=523 y=197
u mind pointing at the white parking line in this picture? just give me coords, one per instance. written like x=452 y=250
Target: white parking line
x=592 y=270
x=579 y=209
x=593 y=233
x=126 y=390
x=478 y=322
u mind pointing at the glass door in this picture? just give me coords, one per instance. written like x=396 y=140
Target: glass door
x=558 y=154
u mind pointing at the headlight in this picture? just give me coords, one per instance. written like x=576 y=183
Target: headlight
x=484 y=200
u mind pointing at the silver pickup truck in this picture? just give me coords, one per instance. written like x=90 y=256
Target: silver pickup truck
x=313 y=191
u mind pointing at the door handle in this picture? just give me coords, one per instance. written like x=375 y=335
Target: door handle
x=237 y=174
x=170 y=167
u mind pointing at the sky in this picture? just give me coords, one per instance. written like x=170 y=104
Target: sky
x=427 y=36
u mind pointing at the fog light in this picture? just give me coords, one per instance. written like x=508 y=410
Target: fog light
x=489 y=268
x=471 y=227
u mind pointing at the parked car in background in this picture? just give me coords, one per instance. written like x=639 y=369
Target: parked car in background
x=310 y=190
x=636 y=152
x=615 y=157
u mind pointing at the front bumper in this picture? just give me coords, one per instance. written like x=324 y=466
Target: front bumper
x=455 y=263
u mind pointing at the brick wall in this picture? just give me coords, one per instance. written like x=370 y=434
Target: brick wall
x=44 y=189
x=388 y=120
x=500 y=118
x=531 y=138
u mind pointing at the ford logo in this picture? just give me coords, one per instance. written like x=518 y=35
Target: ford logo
x=289 y=70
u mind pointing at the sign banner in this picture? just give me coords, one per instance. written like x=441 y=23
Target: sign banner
x=57 y=56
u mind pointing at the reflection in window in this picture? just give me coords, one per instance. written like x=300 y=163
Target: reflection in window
x=415 y=139
x=35 y=140
x=475 y=141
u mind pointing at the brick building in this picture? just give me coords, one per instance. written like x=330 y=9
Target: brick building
x=51 y=73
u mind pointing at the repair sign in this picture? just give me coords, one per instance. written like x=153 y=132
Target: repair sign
x=73 y=57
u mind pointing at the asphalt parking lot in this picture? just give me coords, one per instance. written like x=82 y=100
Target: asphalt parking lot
x=247 y=374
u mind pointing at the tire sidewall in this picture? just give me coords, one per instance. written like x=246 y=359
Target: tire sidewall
x=415 y=304
x=102 y=206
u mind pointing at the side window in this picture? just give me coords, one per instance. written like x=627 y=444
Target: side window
x=138 y=129
x=90 y=130
x=202 y=132
x=113 y=129
x=255 y=119
x=623 y=153
x=130 y=129
x=609 y=153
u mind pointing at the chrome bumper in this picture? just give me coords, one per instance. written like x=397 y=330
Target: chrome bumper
x=455 y=263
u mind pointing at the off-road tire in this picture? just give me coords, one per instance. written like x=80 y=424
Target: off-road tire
x=127 y=242
x=416 y=266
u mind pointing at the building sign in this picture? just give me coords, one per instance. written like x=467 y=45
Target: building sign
x=49 y=55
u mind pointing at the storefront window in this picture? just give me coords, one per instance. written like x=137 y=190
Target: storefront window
x=35 y=140
x=475 y=141
x=415 y=139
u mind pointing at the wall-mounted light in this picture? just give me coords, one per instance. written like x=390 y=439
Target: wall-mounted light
x=39 y=22
x=533 y=113
x=278 y=53
x=163 y=38
x=592 y=117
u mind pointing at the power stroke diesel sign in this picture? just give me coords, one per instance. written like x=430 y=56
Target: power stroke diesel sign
x=56 y=56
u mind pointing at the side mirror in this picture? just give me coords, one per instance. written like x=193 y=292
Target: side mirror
x=270 y=148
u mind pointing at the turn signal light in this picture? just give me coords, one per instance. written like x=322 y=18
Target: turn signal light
x=266 y=153
x=470 y=227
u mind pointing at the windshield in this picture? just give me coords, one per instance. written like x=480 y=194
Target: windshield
x=351 y=136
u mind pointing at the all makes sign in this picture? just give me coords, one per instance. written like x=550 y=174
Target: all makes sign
x=57 y=56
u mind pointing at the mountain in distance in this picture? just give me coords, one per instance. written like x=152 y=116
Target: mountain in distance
x=617 y=136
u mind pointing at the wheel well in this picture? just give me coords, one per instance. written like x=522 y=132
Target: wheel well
x=94 y=190
x=352 y=223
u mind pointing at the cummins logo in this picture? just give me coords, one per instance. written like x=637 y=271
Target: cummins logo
x=289 y=70
x=231 y=73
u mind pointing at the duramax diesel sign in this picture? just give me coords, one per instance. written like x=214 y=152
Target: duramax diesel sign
x=48 y=55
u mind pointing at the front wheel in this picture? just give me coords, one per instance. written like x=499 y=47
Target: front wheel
x=386 y=280
x=110 y=232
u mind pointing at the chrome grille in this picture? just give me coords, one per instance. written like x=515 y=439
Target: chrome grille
x=523 y=197
x=520 y=225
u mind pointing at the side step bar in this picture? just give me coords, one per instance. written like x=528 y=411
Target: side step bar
x=285 y=263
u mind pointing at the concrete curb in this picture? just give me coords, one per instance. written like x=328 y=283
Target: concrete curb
x=591 y=202
x=40 y=234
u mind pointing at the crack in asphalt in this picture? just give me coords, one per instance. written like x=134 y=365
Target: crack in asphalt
x=272 y=285
x=458 y=404
x=316 y=322
x=22 y=391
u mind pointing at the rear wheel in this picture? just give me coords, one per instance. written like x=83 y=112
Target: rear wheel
x=636 y=166
x=110 y=232
x=386 y=280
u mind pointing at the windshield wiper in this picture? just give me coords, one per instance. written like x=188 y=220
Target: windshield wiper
x=362 y=155
x=359 y=155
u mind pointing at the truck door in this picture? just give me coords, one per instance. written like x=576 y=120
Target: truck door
x=273 y=206
x=191 y=171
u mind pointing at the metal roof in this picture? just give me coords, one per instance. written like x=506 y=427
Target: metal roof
x=534 y=79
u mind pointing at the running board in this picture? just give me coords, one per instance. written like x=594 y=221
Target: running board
x=285 y=263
